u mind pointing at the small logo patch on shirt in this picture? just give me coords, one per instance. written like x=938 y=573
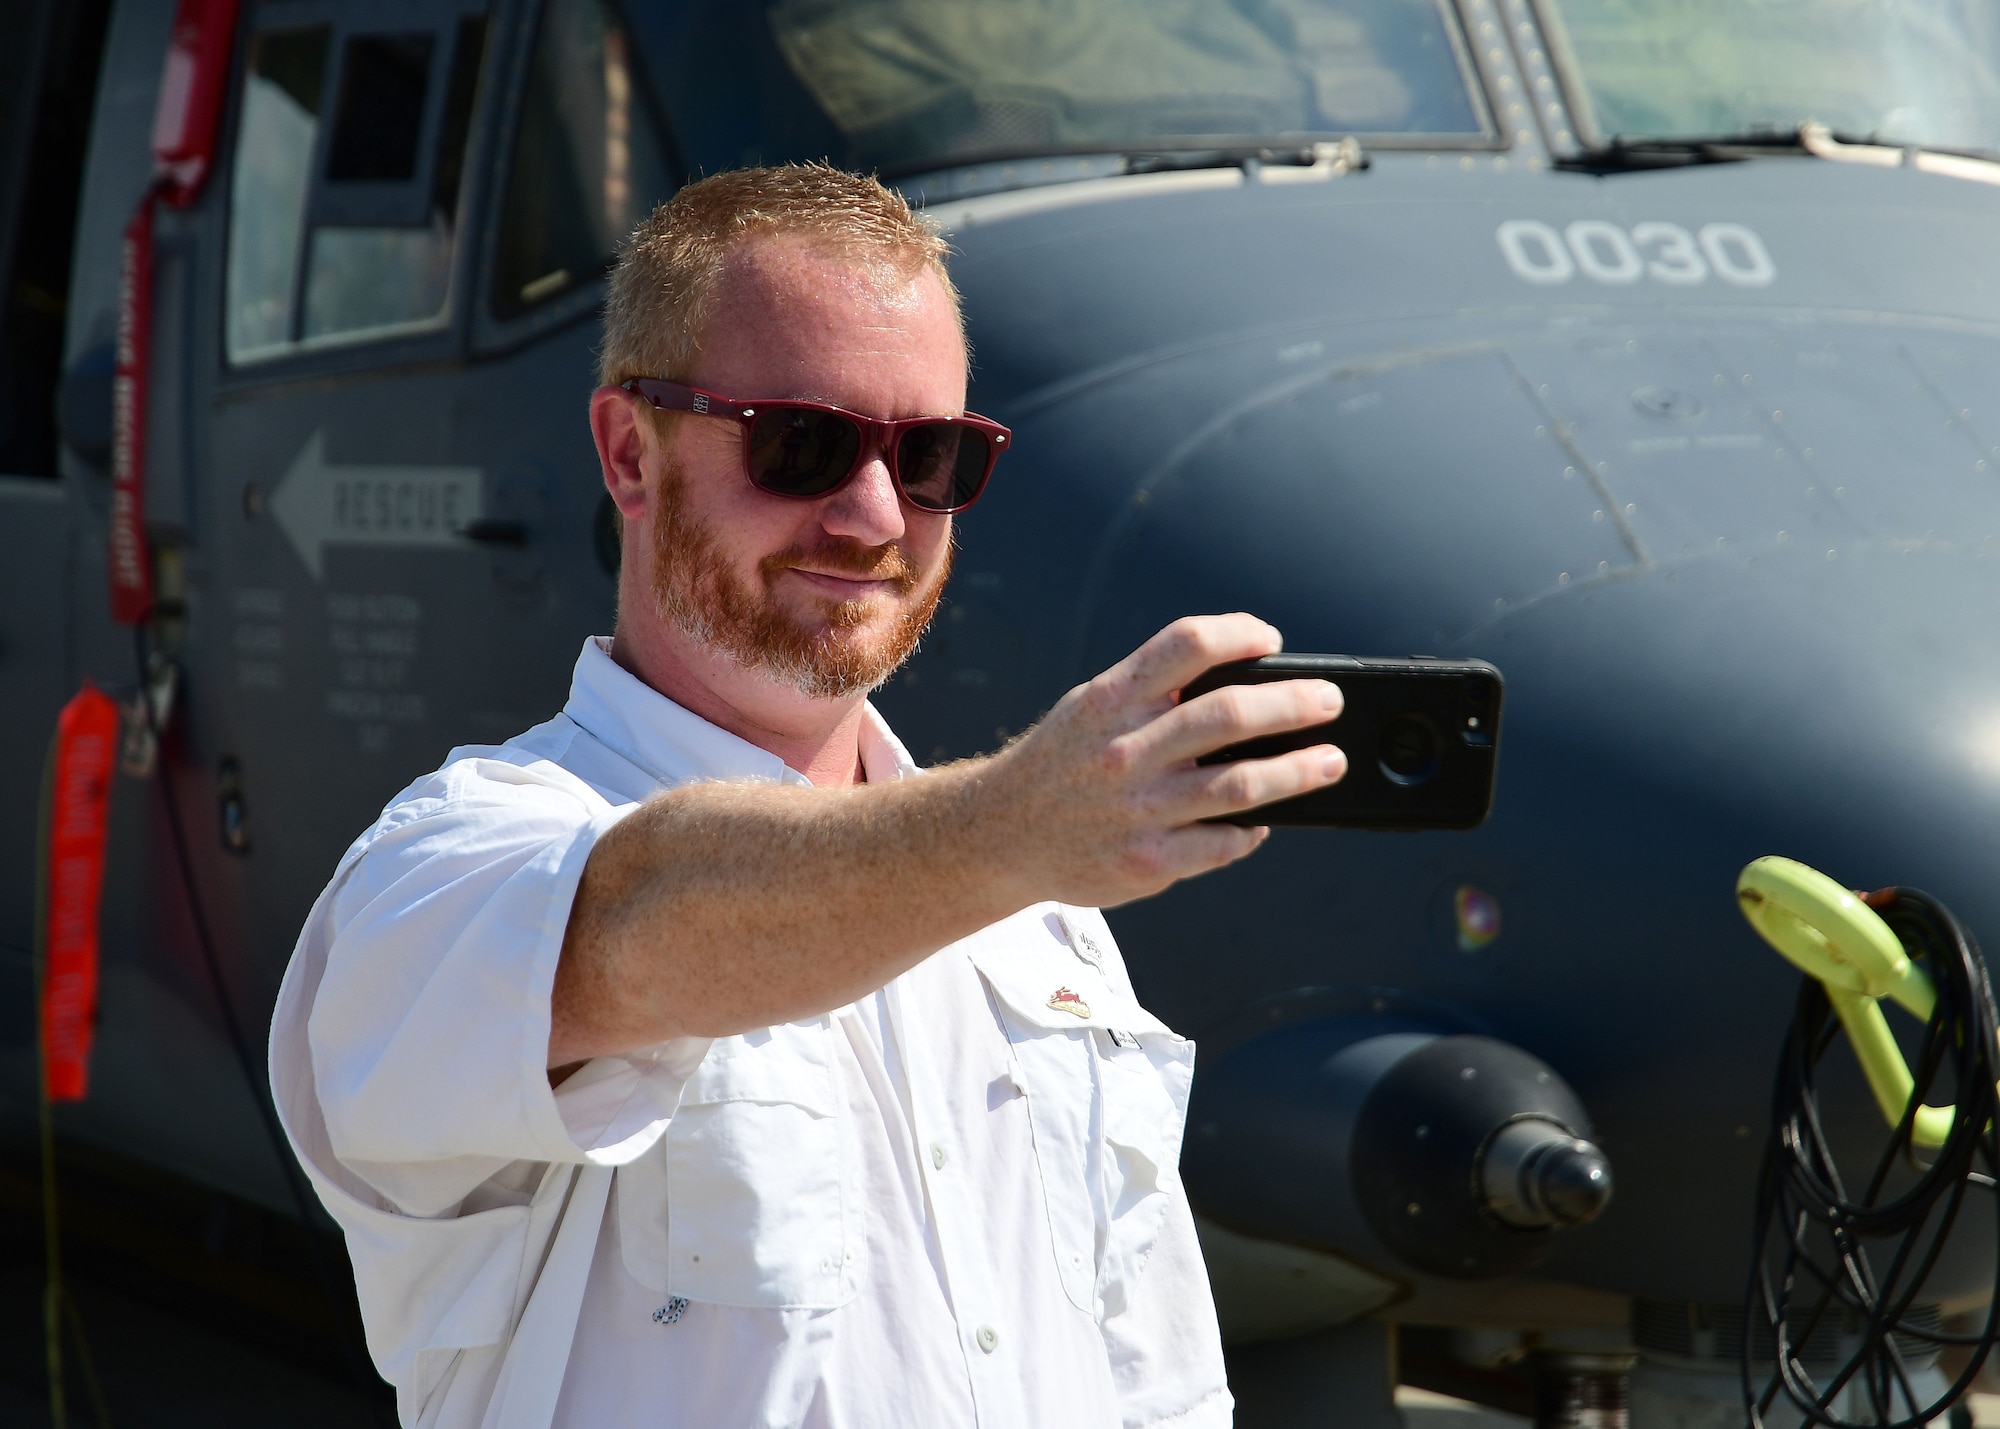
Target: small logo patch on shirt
x=1067 y=1001
x=671 y=1311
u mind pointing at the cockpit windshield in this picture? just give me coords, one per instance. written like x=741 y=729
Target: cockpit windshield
x=1916 y=72
x=902 y=86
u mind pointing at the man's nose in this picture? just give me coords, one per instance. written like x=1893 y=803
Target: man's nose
x=867 y=509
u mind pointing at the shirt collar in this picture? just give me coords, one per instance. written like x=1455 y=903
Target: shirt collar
x=674 y=744
x=882 y=754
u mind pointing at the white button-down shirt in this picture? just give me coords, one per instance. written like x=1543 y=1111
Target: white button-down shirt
x=951 y=1203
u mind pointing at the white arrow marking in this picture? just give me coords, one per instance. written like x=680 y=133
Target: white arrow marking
x=319 y=504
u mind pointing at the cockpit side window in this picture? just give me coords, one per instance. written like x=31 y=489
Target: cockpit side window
x=589 y=158
x=277 y=134
x=344 y=194
x=381 y=116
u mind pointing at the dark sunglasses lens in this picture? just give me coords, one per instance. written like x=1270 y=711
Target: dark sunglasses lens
x=801 y=453
x=942 y=465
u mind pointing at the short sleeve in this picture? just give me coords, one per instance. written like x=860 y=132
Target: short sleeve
x=429 y=1030
x=615 y=1107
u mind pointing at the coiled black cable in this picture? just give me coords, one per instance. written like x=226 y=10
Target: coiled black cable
x=1826 y=1257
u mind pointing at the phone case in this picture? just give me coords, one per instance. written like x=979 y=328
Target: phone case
x=1421 y=738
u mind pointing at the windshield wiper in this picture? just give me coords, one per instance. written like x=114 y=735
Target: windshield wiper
x=1017 y=168
x=1978 y=165
x=1624 y=156
x=1342 y=155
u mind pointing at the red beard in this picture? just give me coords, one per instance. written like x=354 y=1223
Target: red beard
x=832 y=651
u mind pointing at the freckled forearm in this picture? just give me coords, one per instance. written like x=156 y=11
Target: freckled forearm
x=718 y=908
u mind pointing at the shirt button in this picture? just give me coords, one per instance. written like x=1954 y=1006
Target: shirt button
x=937 y=1154
x=989 y=1338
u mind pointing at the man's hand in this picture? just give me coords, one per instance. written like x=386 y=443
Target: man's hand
x=719 y=908
x=1104 y=798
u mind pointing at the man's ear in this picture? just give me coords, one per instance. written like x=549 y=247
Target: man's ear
x=621 y=447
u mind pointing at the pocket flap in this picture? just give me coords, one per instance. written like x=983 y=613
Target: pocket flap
x=743 y=1202
x=790 y=1064
x=1046 y=986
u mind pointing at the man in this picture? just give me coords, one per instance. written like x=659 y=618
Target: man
x=686 y=1061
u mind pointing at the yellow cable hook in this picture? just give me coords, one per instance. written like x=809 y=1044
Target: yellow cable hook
x=1831 y=934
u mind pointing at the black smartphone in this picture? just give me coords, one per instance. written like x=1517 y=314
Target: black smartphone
x=1420 y=737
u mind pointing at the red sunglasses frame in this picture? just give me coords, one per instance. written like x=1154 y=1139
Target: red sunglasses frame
x=876 y=434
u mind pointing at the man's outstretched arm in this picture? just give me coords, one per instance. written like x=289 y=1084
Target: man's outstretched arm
x=717 y=908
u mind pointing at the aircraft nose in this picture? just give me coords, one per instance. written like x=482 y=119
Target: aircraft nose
x=1663 y=727
x=1731 y=659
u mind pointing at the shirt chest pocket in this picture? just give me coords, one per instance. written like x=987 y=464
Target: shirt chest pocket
x=1107 y=1086
x=1145 y=1078
x=758 y=1209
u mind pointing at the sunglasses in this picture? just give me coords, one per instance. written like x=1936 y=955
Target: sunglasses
x=811 y=449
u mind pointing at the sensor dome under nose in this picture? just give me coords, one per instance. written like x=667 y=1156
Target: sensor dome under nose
x=1467 y=1158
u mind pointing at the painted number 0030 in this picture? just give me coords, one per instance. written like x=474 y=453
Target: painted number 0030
x=1664 y=252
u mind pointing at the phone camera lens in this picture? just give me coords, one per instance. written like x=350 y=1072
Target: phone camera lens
x=1475 y=724
x=1409 y=749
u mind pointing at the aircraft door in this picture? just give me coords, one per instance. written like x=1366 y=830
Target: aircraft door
x=341 y=494
x=422 y=199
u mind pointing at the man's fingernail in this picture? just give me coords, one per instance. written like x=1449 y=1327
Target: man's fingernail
x=1329 y=697
x=1333 y=764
